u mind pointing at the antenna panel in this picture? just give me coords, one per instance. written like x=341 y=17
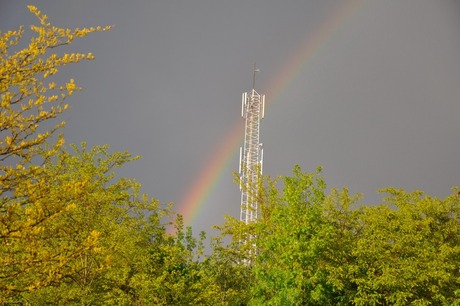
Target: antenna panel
x=263 y=106
x=243 y=103
x=261 y=160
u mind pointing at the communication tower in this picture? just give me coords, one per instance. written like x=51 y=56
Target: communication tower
x=251 y=154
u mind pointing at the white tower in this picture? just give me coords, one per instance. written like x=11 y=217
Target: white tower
x=251 y=154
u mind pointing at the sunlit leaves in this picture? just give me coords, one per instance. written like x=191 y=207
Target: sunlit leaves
x=28 y=96
x=408 y=250
x=31 y=96
x=92 y=237
x=314 y=248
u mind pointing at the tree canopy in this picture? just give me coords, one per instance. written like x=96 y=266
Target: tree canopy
x=314 y=248
x=30 y=100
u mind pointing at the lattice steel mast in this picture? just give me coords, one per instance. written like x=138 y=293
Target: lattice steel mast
x=251 y=154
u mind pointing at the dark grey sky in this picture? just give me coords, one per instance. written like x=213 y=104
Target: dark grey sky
x=377 y=105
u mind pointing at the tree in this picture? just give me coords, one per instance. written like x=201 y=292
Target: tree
x=94 y=251
x=29 y=98
x=317 y=249
x=292 y=237
x=175 y=270
x=292 y=254
x=408 y=251
x=226 y=265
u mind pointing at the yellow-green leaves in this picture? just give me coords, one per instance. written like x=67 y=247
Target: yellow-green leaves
x=314 y=248
x=31 y=94
x=82 y=233
x=27 y=100
x=407 y=251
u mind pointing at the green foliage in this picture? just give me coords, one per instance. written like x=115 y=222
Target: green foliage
x=92 y=249
x=225 y=266
x=30 y=100
x=310 y=248
x=408 y=251
x=174 y=269
x=291 y=241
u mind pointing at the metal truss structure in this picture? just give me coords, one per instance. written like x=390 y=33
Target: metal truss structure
x=251 y=154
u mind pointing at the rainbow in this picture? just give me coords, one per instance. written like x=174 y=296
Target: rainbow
x=195 y=197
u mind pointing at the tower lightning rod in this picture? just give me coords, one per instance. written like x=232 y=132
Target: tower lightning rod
x=254 y=77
